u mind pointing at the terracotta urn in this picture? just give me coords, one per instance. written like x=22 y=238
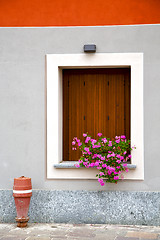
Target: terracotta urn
x=22 y=192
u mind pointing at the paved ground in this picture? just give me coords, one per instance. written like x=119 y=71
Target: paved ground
x=53 y=231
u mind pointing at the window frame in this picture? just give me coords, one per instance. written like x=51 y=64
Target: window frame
x=54 y=65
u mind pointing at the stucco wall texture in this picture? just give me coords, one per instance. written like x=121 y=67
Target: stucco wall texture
x=23 y=99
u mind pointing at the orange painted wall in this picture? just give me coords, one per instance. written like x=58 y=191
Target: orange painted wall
x=15 y=13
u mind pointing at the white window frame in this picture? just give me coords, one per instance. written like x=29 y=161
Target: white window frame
x=54 y=65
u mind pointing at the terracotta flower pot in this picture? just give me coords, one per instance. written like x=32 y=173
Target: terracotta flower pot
x=22 y=192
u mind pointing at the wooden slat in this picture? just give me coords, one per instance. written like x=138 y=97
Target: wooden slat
x=112 y=106
x=119 y=114
x=127 y=103
x=76 y=112
x=65 y=117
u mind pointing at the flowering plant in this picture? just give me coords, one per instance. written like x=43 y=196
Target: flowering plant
x=108 y=156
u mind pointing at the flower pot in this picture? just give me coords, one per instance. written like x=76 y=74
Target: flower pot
x=22 y=192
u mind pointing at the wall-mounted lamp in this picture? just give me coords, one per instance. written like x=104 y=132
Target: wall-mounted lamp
x=90 y=48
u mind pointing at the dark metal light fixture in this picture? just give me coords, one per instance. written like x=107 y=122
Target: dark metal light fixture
x=90 y=48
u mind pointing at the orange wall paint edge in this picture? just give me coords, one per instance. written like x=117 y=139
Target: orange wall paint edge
x=40 y=13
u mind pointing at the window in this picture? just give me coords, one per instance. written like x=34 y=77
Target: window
x=55 y=65
x=94 y=100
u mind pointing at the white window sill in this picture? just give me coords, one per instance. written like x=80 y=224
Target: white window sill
x=71 y=164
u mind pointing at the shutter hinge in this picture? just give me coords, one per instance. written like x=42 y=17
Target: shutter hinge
x=108 y=83
x=84 y=118
x=68 y=83
x=108 y=117
x=84 y=83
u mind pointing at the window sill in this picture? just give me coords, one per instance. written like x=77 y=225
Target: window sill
x=71 y=164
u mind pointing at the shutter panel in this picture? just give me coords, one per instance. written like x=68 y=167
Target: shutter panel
x=97 y=100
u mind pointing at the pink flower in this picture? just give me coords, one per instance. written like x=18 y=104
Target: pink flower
x=96 y=146
x=80 y=161
x=79 y=144
x=117 y=141
x=123 y=136
x=77 y=165
x=118 y=167
x=113 y=154
x=117 y=137
x=124 y=152
x=103 y=158
x=87 y=139
x=99 y=134
x=85 y=163
x=96 y=164
x=104 y=165
x=101 y=173
x=104 y=140
x=121 y=157
x=84 y=135
x=116 y=177
x=101 y=181
x=73 y=143
x=129 y=156
x=110 y=144
x=93 y=141
x=125 y=165
x=99 y=168
x=92 y=164
x=112 y=169
x=86 y=149
x=118 y=161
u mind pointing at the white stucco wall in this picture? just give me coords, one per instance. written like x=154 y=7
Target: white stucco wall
x=23 y=98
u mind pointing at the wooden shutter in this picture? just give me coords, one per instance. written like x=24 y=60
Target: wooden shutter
x=94 y=100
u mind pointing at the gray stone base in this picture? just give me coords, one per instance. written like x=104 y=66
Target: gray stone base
x=112 y=207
